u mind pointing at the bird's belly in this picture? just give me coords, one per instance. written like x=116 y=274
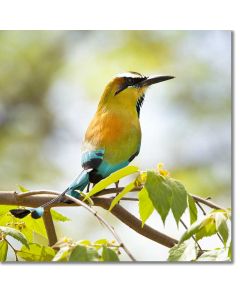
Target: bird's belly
x=120 y=137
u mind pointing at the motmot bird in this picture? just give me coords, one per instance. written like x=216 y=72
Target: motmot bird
x=113 y=138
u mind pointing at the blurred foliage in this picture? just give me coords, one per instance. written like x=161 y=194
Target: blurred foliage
x=35 y=65
x=30 y=62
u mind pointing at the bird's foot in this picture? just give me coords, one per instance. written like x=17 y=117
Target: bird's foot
x=117 y=184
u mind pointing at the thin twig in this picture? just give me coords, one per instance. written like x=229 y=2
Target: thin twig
x=137 y=189
x=108 y=226
x=201 y=208
x=125 y=198
x=204 y=213
x=34 y=198
x=185 y=226
x=131 y=221
x=118 y=190
x=36 y=192
x=206 y=202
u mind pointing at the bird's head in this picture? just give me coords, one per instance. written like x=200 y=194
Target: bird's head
x=128 y=90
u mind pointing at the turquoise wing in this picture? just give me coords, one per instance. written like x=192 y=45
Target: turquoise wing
x=96 y=168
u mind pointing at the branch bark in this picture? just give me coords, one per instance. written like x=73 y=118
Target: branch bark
x=50 y=228
x=37 y=198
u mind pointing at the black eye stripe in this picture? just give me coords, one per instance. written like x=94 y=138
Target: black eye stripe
x=134 y=80
x=130 y=81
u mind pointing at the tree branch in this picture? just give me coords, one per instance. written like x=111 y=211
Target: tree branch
x=134 y=223
x=137 y=189
x=37 y=198
x=50 y=228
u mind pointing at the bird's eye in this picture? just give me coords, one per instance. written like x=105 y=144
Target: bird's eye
x=130 y=81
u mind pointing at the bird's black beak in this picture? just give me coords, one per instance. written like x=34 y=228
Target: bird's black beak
x=154 y=79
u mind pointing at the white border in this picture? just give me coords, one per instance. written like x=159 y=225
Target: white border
x=142 y=281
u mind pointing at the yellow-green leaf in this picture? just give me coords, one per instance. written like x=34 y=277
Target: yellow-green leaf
x=207 y=228
x=145 y=205
x=16 y=234
x=59 y=217
x=200 y=229
x=36 y=252
x=3 y=250
x=193 y=212
x=221 y=226
x=114 y=177
x=230 y=251
x=127 y=189
x=22 y=188
x=26 y=226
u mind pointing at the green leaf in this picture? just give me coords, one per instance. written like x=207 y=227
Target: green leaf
x=22 y=188
x=114 y=177
x=81 y=253
x=207 y=228
x=193 y=212
x=59 y=217
x=109 y=255
x=186 y=251
x=127 y=189
x=179 y=198
x=17 y=235
x=214 y=255
x=36 y=252
x=221 y=226
x=92 y=254
x=3 y=250
x=230 y=251
x=203 y=228
x=159 y=193
x=145 y=205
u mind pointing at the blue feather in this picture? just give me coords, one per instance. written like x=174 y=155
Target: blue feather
x=95 y=169
x=78 y=184
x=105 y=169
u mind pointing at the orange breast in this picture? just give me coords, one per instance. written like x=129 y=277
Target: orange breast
x=120 y=136
x=106 y=129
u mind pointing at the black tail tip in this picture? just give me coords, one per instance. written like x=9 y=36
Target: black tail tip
x=35 y=215
x=20 y=213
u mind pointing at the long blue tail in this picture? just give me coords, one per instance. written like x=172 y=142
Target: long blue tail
x=78 y=184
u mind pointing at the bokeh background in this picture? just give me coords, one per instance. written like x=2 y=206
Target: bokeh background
x=50 y=84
